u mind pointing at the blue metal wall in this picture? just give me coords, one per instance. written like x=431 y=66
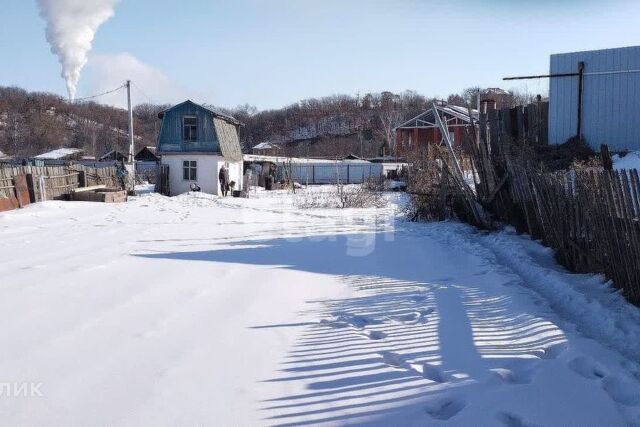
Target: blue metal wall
x=610 y=103
x=171 y=136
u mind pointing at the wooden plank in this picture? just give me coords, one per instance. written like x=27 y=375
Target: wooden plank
x=635 y=188
x=633 y=237
x=91 y=188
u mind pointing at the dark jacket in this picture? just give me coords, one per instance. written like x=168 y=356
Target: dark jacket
x=223 y=175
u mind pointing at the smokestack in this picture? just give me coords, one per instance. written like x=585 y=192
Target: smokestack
x=71 y=26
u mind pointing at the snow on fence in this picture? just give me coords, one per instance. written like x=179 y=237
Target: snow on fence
x=333 y=173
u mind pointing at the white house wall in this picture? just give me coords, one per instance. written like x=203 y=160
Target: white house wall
x=208 y=167
x=235 y=173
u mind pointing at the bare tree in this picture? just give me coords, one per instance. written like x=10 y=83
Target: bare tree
x=389 y=119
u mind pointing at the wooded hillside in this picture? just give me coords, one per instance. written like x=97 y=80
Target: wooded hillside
x=36 y=122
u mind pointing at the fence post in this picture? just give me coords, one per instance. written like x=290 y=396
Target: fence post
x=31 y=188
x=605 y=156
x=43 y=190
x=21 y=190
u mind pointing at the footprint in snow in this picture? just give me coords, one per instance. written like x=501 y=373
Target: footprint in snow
x=423 y=369
x=392 y=359
x=415 y=316
x=376 y=335
x=429 y=371
x=518 y=371
x=587 y=367
x=359 y=321
x=446 y=408
x=513 y=420
x=344 y=320
x=623 y=390
x=513 y=375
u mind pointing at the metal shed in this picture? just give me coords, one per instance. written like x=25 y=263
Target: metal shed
x=610 y=107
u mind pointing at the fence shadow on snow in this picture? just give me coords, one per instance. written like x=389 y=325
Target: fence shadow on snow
x=408 y=333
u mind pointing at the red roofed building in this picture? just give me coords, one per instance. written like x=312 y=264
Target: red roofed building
x=423 y=129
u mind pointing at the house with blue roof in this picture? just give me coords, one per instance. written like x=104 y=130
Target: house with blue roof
x=195 y=142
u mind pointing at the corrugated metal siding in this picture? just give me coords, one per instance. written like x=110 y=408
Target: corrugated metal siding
x=171 y=137
x=610 y=104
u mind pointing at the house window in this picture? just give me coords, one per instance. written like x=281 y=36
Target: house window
x=190 y=128
x=189 y=170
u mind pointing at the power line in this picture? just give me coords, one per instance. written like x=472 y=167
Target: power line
x=143 y=93
x=100 y=94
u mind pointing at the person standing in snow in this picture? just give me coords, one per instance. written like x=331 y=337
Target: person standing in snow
x=223 y=176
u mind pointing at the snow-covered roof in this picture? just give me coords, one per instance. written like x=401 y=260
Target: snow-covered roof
x=284 y=159
x=60 y=153
x=2 y=155
x=113 y=153
x=266 y=145
x=494 y=91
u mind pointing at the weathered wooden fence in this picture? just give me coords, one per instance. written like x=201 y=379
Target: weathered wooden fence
x=528 y=122
x=591 y=218
x=590 y=215
x=55 y=182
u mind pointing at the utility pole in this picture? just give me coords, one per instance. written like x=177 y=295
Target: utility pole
x=131 y=148
x=131 y=160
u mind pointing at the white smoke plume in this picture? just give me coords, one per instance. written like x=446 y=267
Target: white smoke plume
x=71 y=27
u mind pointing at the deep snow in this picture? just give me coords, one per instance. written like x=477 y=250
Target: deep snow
x=197 y=310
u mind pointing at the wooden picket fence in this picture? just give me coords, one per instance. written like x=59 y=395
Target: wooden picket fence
x=591 y=218
x=529 y=122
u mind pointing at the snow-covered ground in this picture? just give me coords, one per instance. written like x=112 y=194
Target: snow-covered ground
x=630 y=161
x=195 y=310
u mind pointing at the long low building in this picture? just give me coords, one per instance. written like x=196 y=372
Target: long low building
x=318 y=171
x=287 y=160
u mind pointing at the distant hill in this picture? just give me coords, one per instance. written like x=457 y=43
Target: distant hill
x=332 y=126
x=34 y=122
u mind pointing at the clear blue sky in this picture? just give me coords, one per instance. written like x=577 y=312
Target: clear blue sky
x=272 y=53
